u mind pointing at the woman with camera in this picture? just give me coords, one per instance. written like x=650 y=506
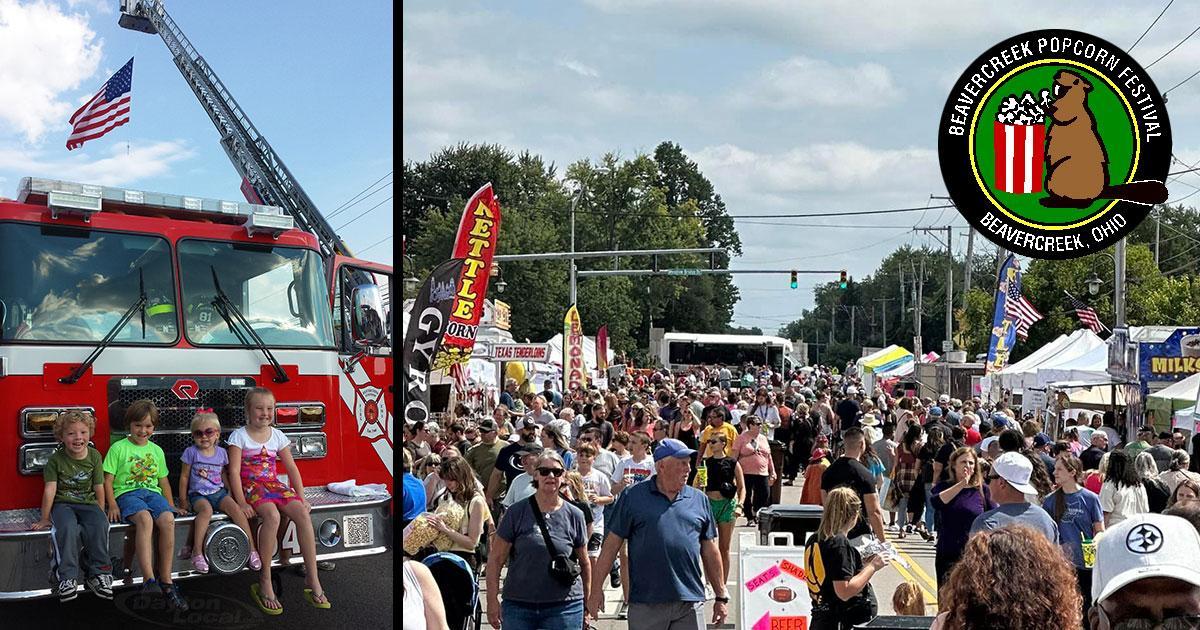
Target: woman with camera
x=545 y=540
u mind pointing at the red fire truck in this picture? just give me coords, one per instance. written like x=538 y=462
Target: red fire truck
x=109 y=295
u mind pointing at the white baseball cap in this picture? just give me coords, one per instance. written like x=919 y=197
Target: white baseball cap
x=1016 y=469
x=944 y=398
x=852 y=391
x=987 y=441
x=1145 y=546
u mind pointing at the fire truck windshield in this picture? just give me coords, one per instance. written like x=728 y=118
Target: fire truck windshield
x=280 y=290
x=73 y=285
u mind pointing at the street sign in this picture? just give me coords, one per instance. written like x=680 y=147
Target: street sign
x=536 y=352
x=947 y=346
x=683 y=272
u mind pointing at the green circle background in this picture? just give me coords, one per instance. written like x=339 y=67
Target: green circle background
x=1112 y=123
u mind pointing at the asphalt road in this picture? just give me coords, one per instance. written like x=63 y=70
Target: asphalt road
x=918 y=553
x=360 y=590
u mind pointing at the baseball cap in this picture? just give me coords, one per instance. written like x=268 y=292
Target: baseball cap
x=999 y=419
x=487 y=425
x=987 y=441
x=1145 y=546
x=943 y=399
x=1040 y=440
x=936 y=412
x=528 y=422
x=532 y=448
x=1016 y=469
x=852 y=391
x=672 y=448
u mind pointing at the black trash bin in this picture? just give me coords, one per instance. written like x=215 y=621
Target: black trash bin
x=799 y=520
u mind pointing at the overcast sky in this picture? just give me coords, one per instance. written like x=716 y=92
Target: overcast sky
x=787 y=106
x=315 y=79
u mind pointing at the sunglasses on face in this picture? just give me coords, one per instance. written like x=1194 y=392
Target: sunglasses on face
x=209 y=432
x=716 y=442
x=548 y=472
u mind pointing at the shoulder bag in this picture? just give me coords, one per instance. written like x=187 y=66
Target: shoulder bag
x=563 y=568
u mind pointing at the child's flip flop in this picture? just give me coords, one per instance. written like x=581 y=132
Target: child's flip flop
x=256 y=595
x=312 y=600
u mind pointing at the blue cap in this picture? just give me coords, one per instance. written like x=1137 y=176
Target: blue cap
x=672 y=448
x=1041 y=439
x=999 y=419
x=954 y=417
x=936 y=412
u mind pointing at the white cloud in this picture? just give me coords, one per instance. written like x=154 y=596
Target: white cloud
x=819 y=168
x=578 y=68
x=44 y=53
x=120 y=167
x=801 y=81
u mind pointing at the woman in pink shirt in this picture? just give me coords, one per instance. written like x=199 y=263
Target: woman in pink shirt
x=753 y=453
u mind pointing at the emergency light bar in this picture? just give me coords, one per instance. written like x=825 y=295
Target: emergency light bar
x=64 y=197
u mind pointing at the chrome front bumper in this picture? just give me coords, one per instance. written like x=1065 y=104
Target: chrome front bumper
x=26 y=556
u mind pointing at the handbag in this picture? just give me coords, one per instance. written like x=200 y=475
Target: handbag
x=562 y=567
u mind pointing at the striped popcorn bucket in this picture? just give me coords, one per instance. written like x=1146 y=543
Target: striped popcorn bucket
x=1020 y=157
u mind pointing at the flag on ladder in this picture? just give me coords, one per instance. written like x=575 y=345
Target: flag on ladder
x=1086 y=314
x=1018 y=309
x=107 y=110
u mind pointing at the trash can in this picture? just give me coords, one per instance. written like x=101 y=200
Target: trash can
x=799 y=520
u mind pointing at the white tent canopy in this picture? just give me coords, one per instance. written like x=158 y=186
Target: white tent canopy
x=1183 y=390
x=1080 y=356
x=589 y=352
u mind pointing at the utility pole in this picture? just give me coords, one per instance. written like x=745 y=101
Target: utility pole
x=949 y=277
x=1157 y=232
x=920 y=283
x=883 y=307
x=967 y=264
x=852 y=309
x=900 y=269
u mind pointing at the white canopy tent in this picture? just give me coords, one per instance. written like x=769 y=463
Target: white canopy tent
x=1082 y=355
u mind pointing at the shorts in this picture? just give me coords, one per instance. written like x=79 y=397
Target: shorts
x=213 y=499
x=723 y=509
x=140 y=499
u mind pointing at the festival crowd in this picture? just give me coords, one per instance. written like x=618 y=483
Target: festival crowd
x=1035 y=523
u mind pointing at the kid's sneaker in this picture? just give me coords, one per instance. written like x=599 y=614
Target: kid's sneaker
x=101 y=585
x=151 y=587
x=66 y=590
x=200 y=563
x=174 y=599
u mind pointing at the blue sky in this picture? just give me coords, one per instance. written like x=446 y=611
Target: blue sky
x=316 y=81
x=788 y=107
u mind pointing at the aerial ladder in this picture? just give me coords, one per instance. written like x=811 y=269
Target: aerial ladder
x=265 y=178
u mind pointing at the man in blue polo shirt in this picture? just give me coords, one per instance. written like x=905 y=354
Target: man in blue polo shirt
x=670 y=530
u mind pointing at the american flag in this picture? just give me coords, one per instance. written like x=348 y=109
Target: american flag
x=1086 y=314
x=1019 y=309
x=459 y=372
x=107 y=110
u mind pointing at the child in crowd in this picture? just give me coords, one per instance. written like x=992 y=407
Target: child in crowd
x=203 y=487
x=908 y=600
x=137 y=492
x=73 y=507
x=254 y=451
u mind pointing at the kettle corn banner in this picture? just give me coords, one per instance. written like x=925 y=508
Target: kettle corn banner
x=475 y=245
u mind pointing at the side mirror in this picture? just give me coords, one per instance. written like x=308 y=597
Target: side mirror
x=367 y=327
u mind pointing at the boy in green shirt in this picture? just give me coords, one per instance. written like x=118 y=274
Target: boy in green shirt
x=136 y=487
x=73 y=506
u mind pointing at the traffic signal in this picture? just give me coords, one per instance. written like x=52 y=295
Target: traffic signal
x=842 y=283
x=794 y=283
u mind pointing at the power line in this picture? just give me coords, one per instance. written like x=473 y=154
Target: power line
x=767 y=216
x=844 y=251
x=1160 y=14
x=1189 y=36
x=364 y=213
x=339 y=208
x=1190 y=77
x=376 y=243
x=362 y=199
x=835 y=225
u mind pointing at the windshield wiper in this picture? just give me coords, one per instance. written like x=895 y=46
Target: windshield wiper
x=140 y=304
x=226 y=307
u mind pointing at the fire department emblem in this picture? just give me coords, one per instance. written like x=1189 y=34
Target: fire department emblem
x=1055 y=144
x=371 y=412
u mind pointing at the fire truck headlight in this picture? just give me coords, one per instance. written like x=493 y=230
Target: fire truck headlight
x=38 y=422
x=313 y=446
x=34 y=457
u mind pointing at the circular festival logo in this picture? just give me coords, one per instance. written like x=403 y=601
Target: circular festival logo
x=1055 y=144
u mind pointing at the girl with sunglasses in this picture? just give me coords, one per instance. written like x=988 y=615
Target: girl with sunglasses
x=203 y=488
x=725 y=486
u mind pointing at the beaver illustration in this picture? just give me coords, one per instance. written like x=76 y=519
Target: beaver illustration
x=1076 y=162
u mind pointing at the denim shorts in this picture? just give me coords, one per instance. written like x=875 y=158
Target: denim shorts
x=140 y=499
x=213 y=499
x=556 y=616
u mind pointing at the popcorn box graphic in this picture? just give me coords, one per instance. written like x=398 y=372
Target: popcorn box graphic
x=1020 y=157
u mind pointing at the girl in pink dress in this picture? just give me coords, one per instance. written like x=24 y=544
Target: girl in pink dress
x=254 y=452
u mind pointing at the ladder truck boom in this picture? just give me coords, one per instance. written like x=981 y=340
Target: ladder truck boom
x=251 y=154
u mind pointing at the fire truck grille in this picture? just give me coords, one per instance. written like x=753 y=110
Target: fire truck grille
x=177 y=399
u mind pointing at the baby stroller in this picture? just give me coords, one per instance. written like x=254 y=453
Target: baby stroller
x=460 y=591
